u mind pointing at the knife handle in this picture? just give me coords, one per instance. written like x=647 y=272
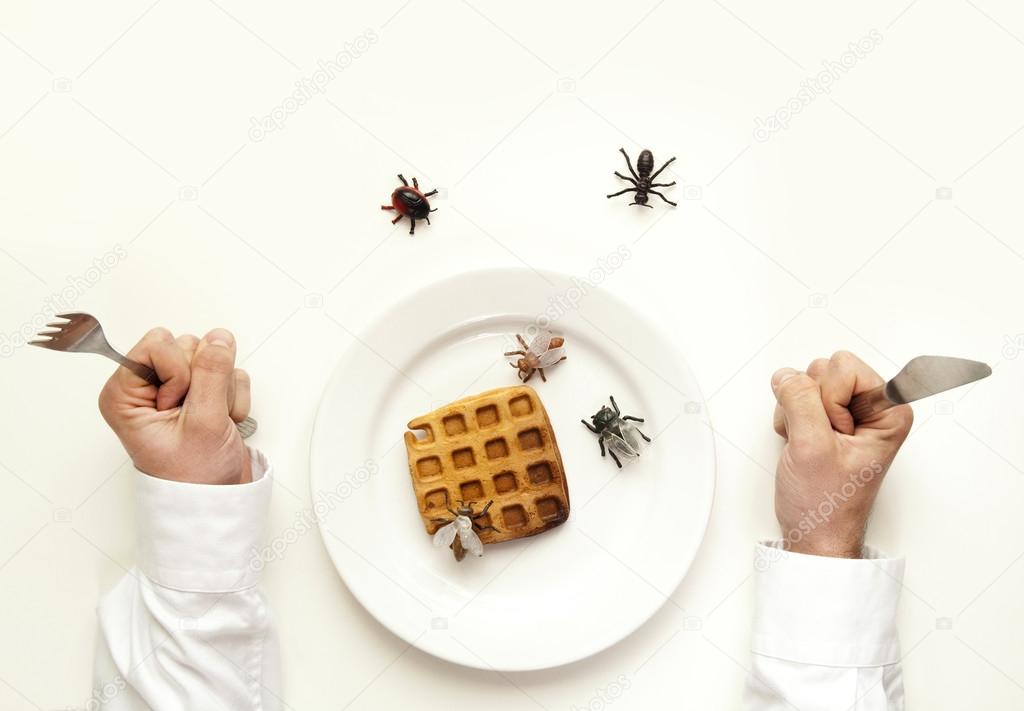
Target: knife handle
x=868 y=403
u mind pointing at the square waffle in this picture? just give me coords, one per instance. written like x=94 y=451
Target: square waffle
x=498 y=445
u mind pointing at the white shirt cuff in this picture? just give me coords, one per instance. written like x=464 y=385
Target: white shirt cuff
x=202 y=537
x=826 y=611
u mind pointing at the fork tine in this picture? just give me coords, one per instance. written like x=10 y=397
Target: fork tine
x=48 y=343
x=57 y=324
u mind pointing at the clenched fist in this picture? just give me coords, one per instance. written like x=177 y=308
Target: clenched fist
x=831 y=469
x=185 y=429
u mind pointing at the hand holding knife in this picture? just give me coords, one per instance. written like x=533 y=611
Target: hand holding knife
x=920 y=378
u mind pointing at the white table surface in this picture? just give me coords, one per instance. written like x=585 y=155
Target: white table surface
x=124 y=134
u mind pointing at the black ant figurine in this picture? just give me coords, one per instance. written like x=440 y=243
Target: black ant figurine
x=644 y=181
x=611 y=426
x=411 y=203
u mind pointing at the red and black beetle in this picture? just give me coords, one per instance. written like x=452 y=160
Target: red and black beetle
x=410 y=202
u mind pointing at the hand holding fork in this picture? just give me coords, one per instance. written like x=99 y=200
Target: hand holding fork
x=189 y=427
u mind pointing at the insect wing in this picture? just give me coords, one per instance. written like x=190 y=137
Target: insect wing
x=540 y=343
x=630 y=435
x=445 y=535
x=550 y=357
x=471 y=542
x=621 y=447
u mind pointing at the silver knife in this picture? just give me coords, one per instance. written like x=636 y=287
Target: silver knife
x=921 y=377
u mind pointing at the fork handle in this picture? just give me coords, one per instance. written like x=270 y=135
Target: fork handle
x=143 y=371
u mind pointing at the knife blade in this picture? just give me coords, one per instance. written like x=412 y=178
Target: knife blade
x=922 y=377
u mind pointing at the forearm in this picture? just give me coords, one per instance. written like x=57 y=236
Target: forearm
x=825 y=633
x=188 y=628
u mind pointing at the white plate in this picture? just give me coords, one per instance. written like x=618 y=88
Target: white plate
x=553 y=598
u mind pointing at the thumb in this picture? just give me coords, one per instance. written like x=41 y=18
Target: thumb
x=213 y=368
x=799 y=398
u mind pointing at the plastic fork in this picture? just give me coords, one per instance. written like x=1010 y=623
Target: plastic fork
x=82 y=333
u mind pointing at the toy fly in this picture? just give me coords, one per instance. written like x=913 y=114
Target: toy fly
x=617 y=432
x=460 y=533
x=544 y=351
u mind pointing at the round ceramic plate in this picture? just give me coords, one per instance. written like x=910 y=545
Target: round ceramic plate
x=549 y=599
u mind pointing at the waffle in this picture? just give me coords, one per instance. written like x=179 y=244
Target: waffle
x=498 y=445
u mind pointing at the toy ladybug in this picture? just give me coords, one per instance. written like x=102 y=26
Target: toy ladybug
x=410 y=202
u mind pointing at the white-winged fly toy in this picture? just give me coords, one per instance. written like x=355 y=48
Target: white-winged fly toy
x=615 y=430
x=544 y=351
x=460 y=534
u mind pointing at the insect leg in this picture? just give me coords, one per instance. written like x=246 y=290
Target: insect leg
x=642 y=204
x=412 y=230
x=655 y=192
x=601 y=442
x=522 y=343
x=646 y=438
x=512 y=353
x=627 y=190
x=617 y=462
x=629 y=164
x=589 y=426
x=404 y=181
x=484 y=511
x=430 y=194
x=625 y=177
x=415 y=183
x=662 y=167
x=396 y=219
x=528 y=376
x=663 y=185
x=387 y=207
x=541 y=371
x=427 y=218
x=480 y=528
x=612 y=398
x=635 y=419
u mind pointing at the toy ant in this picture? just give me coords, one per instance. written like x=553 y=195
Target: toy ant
x=411 y=203
x=644 y=181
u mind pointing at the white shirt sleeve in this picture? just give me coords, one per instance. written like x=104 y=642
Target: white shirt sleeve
x=188 y=628
x=824 y=636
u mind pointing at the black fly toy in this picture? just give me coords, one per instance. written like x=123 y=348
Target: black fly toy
x=615 y=429
x=642 y=179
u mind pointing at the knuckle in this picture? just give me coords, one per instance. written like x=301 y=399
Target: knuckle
x=843 y=358
x=159 y=334
x=904 y=415
x=797 y=386
x=214 y=359
x=818 y=366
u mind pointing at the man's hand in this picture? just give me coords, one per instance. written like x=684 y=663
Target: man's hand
x=830 y=469
x=185 y=429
